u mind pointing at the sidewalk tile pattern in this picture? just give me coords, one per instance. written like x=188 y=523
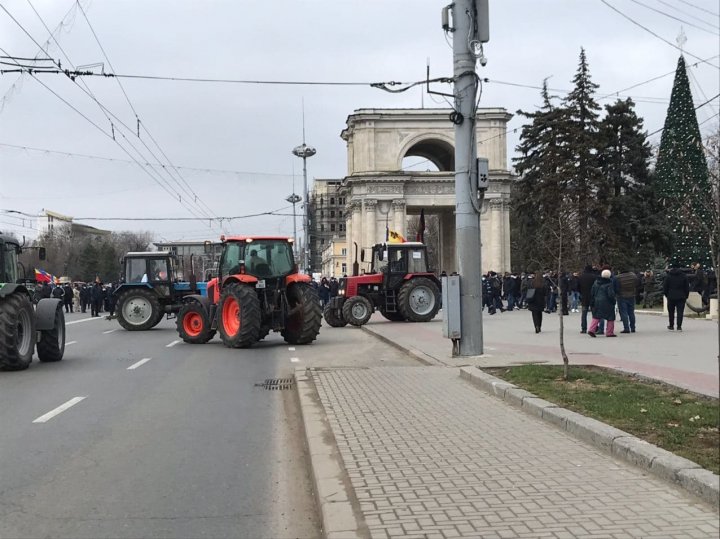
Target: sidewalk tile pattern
x=430 y=456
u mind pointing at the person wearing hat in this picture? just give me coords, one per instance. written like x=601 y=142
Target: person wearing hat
x=602 y=304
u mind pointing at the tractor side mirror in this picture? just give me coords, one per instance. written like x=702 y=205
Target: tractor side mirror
x=42 y=254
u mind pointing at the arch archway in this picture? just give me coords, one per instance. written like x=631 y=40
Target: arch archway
x=437 y=150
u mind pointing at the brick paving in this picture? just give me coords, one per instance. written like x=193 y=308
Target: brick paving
x=430 y=456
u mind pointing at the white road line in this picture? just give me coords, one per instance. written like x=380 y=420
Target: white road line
x=291 y=349
x=139 y=363
x=84 y=320
x=172 y=344
x=294 y=359
x=70 y=342
x=110 y=331
x=60 y=409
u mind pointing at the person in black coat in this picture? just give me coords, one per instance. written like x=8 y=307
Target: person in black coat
x=45 y=291
x=586 y=280
x=67 y=289
x=96 y=299
x=676 y=289
x=536 y=303
x=602 y=302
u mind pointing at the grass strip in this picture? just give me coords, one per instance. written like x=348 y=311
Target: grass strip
x=683 y=423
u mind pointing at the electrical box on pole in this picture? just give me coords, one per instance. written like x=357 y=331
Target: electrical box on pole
x=482 y=9
x=483 y=173
x=451 y=306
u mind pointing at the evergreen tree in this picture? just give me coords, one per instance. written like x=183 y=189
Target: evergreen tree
x=631 y=219
x=89 y=262
x=535 y=196
x=580 y=170
x=682 y=174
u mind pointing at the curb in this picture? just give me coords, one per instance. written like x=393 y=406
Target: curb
x=339 y=509
x=419 y=355
x=659 y=462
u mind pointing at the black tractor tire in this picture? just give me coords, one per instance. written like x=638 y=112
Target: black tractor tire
x=357 y=310
x=193 y=324
x=17 y=332
x=239 y=316
x=51 y=346
x=333 y=319
x=393 y=317
x=138 y=310
x=160 y=317
x=303 y=326
x=419 y=300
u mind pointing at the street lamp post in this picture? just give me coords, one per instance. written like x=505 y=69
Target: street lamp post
x=304 y=151
x=294 y=199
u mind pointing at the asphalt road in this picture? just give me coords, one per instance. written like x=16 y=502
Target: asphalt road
x=159 y=438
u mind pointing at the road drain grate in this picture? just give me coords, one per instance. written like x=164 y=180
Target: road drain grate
x=276 y=383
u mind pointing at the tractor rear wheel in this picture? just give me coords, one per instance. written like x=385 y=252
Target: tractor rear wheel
x=17 y=332
x=138 y=309
x=193 y=324
x=239 y=316
x=393 y=317
x=303 y=323
x=357 y=310
x=51 y=346
x=419 y=299
x=334 y=319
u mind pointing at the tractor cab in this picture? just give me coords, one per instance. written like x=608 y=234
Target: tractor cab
x=156 y=269
x=9 y=249
x=270 y=260
x=396 y=260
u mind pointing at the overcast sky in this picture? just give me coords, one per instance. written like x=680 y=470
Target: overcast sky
x=251 y=129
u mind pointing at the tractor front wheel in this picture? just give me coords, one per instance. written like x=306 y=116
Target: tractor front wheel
x=51 y=346
x=333 y=318
x=239 y=316
x=193 y=325
x=419 y=300
x=302 y=324
x=17 y=332
x=357 y=310
x=138 y=310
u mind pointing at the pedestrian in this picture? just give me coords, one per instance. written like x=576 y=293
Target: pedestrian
x=96 y=298
x=574 y=289
x=627 y=287
x=68 y=297
x=602 y=304
x=324 y=291
x=58 y=293
x=334 y=286
x=535 y=297
x=564 y=286
x=648 y=288
x=676 y=289
x=700 y=281
x=586 y=281
x=45 y=291
x=551 y=292
x=84 y=297
x=487 y=294
x=111 y=301
x=76 y=298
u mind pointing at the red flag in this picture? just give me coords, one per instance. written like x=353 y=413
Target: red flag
x=421 y=227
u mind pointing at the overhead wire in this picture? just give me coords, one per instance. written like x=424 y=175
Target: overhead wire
x=700 y=8
x=162 y=182
x=693 y=25
x=636 y=23
x=668 y=4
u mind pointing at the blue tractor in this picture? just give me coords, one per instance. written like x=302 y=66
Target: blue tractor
x=150 y=289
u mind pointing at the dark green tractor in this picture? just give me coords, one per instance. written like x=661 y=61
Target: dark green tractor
x=22 y=326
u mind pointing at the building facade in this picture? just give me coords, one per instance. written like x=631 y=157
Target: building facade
x=326 y=218
x=334 y=259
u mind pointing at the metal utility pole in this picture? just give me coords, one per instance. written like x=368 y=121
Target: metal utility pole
x=470 y=31
x=304 y=151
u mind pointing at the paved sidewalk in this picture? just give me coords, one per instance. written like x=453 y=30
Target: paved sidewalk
x=430 y=456
x=687 y=359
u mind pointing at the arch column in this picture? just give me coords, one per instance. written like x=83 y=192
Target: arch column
x=370 y=223
x=399 y=216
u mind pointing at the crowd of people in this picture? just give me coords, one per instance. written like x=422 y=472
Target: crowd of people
x=326 y=289
x=599 y=291
x=80 y=297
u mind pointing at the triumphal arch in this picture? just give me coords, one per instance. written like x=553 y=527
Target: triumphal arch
x=380 y=194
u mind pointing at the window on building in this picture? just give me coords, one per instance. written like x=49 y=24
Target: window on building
x=343 y=252
x=322 y=241
x=322 y=214
x=340 y=213
x=322 y=228
x=332 y=228
x=321 y=201
x=332 y=201
x=332 y=213
x=343 y=268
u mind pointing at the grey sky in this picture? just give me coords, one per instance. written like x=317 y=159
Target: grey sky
x=253 y=128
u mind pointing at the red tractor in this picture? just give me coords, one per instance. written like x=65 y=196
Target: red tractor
x=399 y=285
x=258 y=289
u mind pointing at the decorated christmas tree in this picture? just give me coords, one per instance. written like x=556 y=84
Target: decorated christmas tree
x=682 y=176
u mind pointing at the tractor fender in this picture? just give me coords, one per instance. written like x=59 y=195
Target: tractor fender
x=11 y=288
x=123 y=287
x=45 y=313
x=202 y=300
x=297 y=278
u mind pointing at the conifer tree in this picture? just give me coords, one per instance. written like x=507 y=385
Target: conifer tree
x=581 y=171
x=682 y=174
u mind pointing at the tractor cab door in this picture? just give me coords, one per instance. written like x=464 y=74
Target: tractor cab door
x=397 y=268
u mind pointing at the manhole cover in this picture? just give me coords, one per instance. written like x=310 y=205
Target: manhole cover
x=276 y=383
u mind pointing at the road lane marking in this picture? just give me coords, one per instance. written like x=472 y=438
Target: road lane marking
x=139 y=363
x=110 y=331
x=294 y=359
x=172 y=344
x=84 y=320
x=70 y=342
x=291 y=349
x=60 y=409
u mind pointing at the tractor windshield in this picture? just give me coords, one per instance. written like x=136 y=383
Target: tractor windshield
x=8 y=269
x=269 y=258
